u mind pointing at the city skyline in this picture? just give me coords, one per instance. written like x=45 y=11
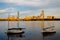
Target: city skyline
x=29 y=7
x=41 y=16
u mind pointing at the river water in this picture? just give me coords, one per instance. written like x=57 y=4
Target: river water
x=32 y=31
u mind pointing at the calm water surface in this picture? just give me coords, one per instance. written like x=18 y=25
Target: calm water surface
x=32 y=30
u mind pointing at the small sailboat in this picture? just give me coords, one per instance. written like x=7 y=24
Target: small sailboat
x=47 y=30
x=15 y=30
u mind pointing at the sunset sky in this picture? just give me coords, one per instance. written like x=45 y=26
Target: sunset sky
x=29 y=7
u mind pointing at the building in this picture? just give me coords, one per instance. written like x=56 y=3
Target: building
x=50 y=17
x=12 y=17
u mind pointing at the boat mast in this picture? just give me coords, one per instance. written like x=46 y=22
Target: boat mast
x=42 y=20
x=18 y=19
x=8 y=21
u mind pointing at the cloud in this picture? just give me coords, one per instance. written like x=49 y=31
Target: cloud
x=48 y=12
x=7 y=10
x=53 y=11
x=51 y=7
x=4 y=12
x=33 y=2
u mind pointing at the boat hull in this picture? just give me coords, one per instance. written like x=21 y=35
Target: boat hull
x=15 y=31
x=48 y=33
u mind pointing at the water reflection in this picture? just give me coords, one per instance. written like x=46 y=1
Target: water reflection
x=32 y=31
x=46 y=35
x=15 y=36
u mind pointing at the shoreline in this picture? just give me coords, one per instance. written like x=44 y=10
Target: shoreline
x=30 y=20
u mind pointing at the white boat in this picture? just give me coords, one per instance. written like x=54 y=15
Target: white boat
x=15 y=30
x=48 y=29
